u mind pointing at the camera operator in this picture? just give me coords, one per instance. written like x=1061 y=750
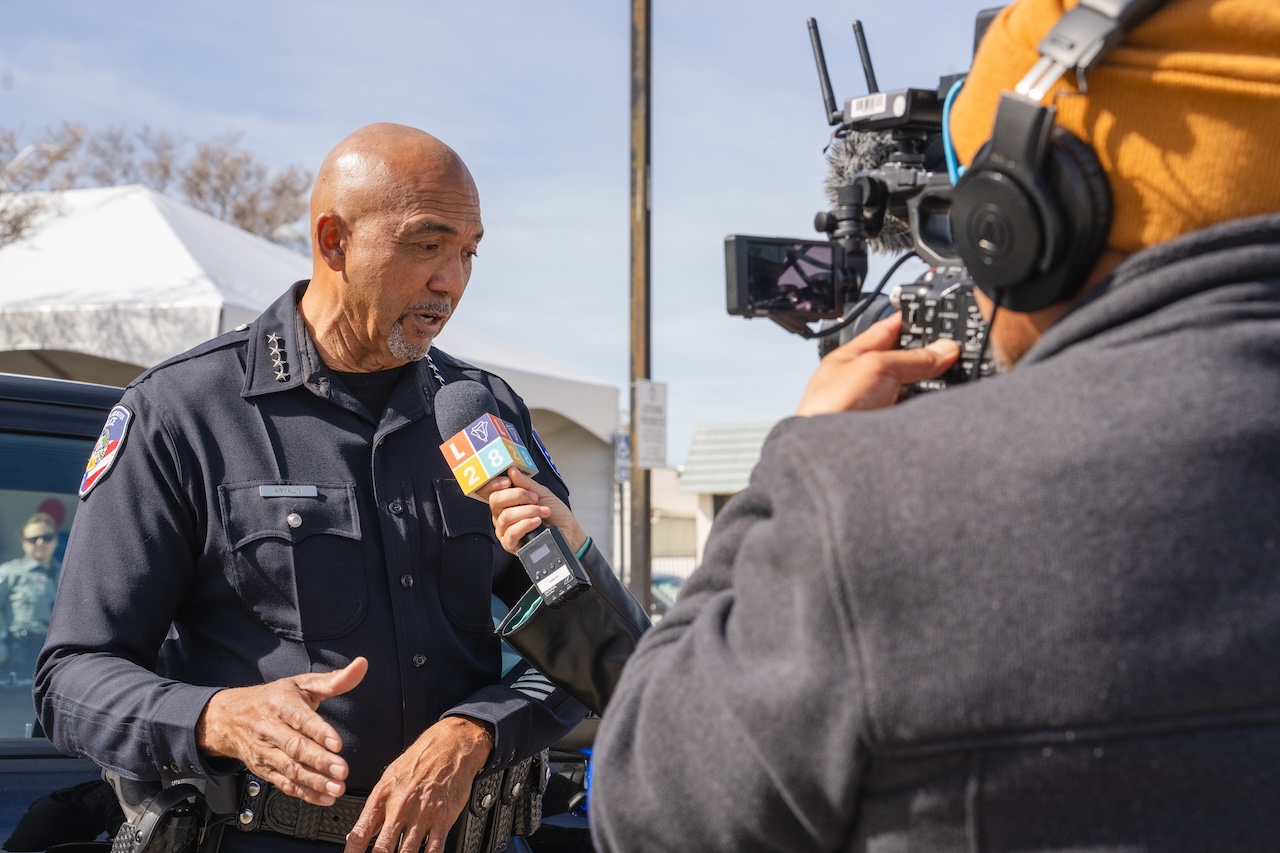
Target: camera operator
x=1036 y=612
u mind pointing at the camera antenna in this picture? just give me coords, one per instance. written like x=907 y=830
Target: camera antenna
x=865 y=54
x=835 y=115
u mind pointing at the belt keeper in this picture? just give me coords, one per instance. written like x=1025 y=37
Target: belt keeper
x=253 y=803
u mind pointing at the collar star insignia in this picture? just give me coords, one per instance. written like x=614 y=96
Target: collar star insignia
x=278 y=359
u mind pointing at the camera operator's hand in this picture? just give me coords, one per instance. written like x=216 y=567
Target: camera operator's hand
x=869 y=372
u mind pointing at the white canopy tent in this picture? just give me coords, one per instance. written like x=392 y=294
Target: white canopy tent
x=114 y=280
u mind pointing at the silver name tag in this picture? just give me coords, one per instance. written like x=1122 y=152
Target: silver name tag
x=287 y=491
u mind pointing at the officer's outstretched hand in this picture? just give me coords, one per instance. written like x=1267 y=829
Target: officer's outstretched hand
x=869 y=372
x=275 y=731
x=422 y=792
x=520 y=504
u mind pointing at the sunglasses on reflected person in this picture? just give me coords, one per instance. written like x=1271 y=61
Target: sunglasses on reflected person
x=41 y=538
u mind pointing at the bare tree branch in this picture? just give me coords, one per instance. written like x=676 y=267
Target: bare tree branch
x=159 y=169
x=220 y=178
x=35 y=166
x=110 y=158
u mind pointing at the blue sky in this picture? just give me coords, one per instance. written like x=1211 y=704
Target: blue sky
x=535 y=97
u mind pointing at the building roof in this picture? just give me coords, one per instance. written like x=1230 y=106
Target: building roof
x=721 y=458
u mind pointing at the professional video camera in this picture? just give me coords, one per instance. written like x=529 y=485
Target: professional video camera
x=890 y=185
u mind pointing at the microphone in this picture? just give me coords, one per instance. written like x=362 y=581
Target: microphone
x=483 y=446
x=857 y=153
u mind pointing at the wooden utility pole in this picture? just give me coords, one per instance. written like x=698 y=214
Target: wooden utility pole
x=639 y=575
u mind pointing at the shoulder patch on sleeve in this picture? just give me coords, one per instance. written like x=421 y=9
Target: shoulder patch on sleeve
x=109 y=445
x=545 y=455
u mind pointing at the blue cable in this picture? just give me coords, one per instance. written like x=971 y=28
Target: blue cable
x=954 y=171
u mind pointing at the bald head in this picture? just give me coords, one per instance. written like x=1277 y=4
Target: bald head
x=376 y=169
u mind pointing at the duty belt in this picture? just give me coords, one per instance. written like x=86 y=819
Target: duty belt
x=503 y=803
x=265 y=807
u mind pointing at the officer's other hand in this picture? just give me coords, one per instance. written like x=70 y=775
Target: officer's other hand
x=520 y=504
x=275 y=731
x=869 y=372
x=422 y=792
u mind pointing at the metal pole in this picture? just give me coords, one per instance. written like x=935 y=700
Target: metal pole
x=639 y=575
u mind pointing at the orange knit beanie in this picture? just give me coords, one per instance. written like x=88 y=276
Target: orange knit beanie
x=1184 y=114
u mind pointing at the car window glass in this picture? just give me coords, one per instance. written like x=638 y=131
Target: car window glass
x=668 y=587
x=38 y=474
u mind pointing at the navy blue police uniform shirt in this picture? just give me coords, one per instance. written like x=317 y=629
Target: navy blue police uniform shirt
x=243 y=495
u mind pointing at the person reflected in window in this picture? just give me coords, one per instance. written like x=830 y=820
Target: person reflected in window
x=27 y=588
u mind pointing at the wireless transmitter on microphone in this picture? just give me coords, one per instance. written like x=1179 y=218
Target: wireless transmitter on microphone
x=483 y=446
x=553 y=567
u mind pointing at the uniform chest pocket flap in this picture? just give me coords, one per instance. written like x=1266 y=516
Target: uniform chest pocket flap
x=296 y=555
x=469 y=558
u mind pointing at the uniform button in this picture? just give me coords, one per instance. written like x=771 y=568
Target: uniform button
x=406 y=581
x=173 y=766
x=396 y=507
x=242 y=327
x=293 y=520
x=419 y=660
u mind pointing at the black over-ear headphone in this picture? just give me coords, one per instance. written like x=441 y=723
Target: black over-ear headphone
x=1031 y=215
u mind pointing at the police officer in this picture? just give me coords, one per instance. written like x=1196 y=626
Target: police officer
x=277 y=496
x=27 y=587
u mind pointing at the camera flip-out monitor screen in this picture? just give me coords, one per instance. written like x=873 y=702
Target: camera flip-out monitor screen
x=780 y=275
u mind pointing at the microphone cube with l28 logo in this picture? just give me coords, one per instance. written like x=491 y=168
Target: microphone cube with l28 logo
x=487 y=447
